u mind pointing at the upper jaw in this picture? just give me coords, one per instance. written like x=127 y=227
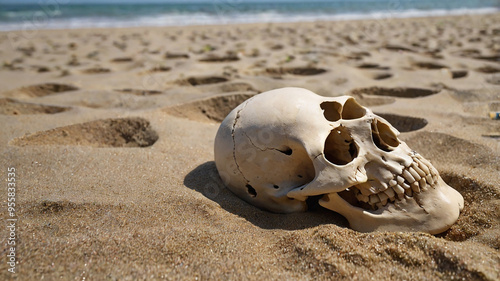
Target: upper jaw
x=417 y=177
x=425 y=203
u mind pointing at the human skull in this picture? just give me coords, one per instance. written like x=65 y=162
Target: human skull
x=283 y=146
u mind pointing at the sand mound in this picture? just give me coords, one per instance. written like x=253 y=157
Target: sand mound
x=13 y=107
x=126 y=132
x=211 y=109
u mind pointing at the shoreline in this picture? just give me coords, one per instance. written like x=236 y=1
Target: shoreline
x=352 y=17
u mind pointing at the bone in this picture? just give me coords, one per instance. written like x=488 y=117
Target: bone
x=392 y=183
x=408 y=176
x=414 y=173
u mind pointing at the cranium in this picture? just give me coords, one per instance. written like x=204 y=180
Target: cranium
x=281 y=147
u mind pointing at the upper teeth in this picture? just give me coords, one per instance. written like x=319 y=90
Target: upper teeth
x=414 y=179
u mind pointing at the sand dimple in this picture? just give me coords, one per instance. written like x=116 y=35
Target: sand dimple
x=176 y=56
x=404 y=123
x=400 y=92
x=139 y=92
x=301 y=71
x=41 y=90
x=488 y=69
x=428 y=65
x=14 y=107
x=213 y=58
x=203 y=80
x=211 y=109
x=125 y=132
x=96 y=70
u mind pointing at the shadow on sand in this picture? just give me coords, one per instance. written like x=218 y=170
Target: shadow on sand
x=205 y=179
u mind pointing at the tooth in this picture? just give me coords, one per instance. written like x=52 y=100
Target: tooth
x=418 y=170
x=424 y=167
x=392 y=183
x=423 y=184
x=414 y=173
x=390 y=192
x=383 y=196
x=362 y=198
x=405 y=185
x=415 y=187
x=408 y=176
x=409 y=192
x=365 y=188
x=399 y=189
x=400 y=179
x=429 y=179
x=374 y=199
x=378 y=186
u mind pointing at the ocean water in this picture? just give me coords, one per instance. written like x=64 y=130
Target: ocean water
x=55 y=14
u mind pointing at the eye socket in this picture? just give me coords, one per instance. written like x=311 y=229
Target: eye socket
x=331 y=110
x=383 y=137
x=340 y=148
x=353 y=110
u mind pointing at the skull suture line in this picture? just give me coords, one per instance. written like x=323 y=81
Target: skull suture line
x=280 y=147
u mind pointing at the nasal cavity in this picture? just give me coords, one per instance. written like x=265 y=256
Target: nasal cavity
x=340 y=148
x=331 y=110
x=383 y=136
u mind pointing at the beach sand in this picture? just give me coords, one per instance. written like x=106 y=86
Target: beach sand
x=111 y=135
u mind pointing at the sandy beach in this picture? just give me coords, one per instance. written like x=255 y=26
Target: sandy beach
x=109 y=134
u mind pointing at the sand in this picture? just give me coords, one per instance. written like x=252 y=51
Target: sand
x=111 y=135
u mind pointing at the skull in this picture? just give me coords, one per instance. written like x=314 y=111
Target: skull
x=283 y=146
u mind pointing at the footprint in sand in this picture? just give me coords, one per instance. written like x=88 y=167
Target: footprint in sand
x=494 y=80
x=122 y=59
x=14 y=107
x=176 y=56
x=214 y=58
x=213 y=109
x=379 y=75
x=400 y=92
x=124 y=132
x=139 y=92
x=41 y=90
x=301 y=71
x=457 y=74
x=428 y=65
x=488 y=69
x=404 y=123
x=202 y=80
x=96 y=70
